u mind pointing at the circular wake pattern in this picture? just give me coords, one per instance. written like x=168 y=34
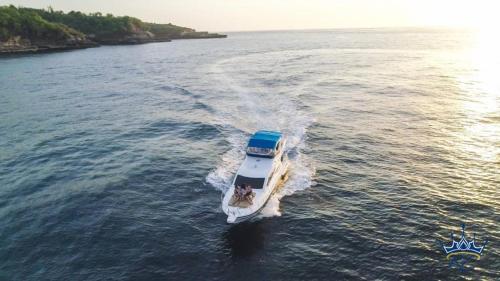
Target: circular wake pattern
x=262 y=97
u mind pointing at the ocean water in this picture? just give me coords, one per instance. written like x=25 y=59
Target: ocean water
x=113 y=160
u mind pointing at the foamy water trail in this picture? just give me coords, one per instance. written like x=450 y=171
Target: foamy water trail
x=254 y=106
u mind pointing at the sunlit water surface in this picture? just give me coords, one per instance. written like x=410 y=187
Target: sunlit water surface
x=113 y=159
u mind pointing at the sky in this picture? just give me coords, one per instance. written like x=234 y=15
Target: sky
x=242 y=15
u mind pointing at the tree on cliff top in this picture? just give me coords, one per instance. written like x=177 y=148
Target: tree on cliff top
x=28 y=24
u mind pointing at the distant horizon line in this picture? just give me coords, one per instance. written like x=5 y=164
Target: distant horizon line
x=430 y=27
x=448 y=27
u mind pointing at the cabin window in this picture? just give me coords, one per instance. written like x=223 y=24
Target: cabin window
x=259 y=151
x=255 y=183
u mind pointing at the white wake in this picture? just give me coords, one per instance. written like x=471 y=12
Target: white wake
x=251 y=102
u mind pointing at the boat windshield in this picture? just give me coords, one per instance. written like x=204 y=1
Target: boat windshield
x=255 y=183
x=260 y=151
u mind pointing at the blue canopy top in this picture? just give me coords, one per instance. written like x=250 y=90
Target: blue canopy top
x=265 y=139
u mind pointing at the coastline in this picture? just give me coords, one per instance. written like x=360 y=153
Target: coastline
x=28 y=30
x=23 y=46
x=27 y=47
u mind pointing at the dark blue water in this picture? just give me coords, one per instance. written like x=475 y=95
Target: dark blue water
x=113 y=159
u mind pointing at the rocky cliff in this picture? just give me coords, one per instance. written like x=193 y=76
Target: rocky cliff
x=36 y=30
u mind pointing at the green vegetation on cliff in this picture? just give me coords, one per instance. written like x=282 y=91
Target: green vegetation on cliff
x=29 y=24
x=98 y=26
x=168 y=30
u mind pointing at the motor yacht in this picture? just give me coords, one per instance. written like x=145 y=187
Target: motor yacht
x=265 y=167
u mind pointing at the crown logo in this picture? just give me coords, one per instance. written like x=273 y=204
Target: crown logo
x=464 y=246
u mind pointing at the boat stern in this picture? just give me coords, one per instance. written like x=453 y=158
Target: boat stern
x=231 y=218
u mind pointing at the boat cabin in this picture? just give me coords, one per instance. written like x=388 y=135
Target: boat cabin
x=265 y=144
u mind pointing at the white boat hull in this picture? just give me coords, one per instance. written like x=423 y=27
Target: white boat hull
x=238 y=214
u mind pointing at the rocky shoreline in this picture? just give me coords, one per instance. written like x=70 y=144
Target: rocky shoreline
x=18 y=45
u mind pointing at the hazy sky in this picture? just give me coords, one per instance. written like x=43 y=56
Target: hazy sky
x=229 y=15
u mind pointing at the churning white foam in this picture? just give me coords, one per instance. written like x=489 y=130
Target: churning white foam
x=249 y=105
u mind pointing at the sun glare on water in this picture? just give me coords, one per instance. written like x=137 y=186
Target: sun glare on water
x=481 y=88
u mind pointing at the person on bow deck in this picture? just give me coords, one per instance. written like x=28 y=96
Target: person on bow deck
x=239 y=192
x=248 y=193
